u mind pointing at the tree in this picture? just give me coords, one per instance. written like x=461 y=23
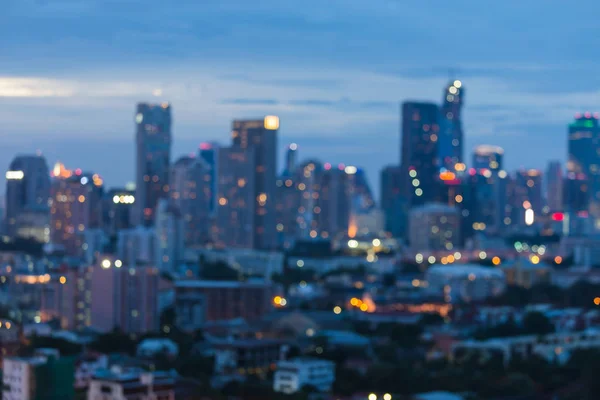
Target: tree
x=114 y=342
x=536 y=323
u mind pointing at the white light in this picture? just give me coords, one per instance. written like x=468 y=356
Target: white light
x=502 y=174
x=116 y=199
x=293 y=146
x=412 y=173
x=457 y=83
x=106 y=263
x=376 y=242
x=372 y=396
x=118 y=263
x=387 y=396
x=431 y=259
x=350 y=170
x=14 y=175
x=300 y=263
x=482 y=255
x=352 y=244
x=84 y=180
x=529 y=216
x=452 y=89
x=419 y=258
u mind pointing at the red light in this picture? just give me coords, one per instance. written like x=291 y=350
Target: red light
x=588 y=114
x=577 y=115
x=582 y=214
x=205 y=146
x=78 y=171
x=341 y=166
x=596 y=115
x=558 y=216
x=327 y=166
x=472 y=171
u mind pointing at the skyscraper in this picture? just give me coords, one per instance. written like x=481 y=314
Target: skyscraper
x=169 y=227
x=554 y=186
x=489 y=188
x=235 y=223
x=191 y=194
x=260 y=137
x=75 y=205
x=390 y=198
x=27 y=191
x=153 y=140
x=291 y=159
x=451 y=131
x=208 y=153
x=583 y=169
x=419 y=152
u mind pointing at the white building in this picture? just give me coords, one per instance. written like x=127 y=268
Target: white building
x=291 y=376
x=466 y=282
x=434 y=227
x=17 y=376
x=132 y=384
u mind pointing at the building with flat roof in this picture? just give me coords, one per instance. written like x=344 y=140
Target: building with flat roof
x=291 y=376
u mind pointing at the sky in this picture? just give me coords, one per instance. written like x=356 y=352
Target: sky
x=335 y=71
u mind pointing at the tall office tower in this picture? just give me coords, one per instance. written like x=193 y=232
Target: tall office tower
x=554 y=186
x=191 y=194
x=117 y=207
x=308 y=213
x=169 y=227
x=335 y=204
x=123 y=296
x=208 y=153
x=260 y=136
x=287 y=202
x=362 y=203
x=27 y=194
x=583 y=169
x=390 y=198
x=235 y=221
x=489 y=188
x=291 y=159
x=75 y=205
x=419 y=152
x=525 y=192
x=153 y=141
x=451 y=131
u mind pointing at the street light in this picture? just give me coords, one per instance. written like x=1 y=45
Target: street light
x=372 y=396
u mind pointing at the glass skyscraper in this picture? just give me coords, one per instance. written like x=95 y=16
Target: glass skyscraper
x=153 y=153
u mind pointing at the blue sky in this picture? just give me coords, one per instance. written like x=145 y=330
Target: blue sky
x=335 y=71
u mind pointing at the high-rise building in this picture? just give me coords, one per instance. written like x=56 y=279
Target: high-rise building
x=235 y=222
x=489 y=188
x=117 y=208
x=153 y=141
x=451 y=131
x=554 y=186
x=191 y=193
x=419 y=152
x=583 y=167
x=209 y=153
x=390 y=183
x=169 y=227
x=291 y=159
x=260 y=137
x=334 y=204
x=75 y=205
x=434 y=227
x=27 y=192
x=124 y=296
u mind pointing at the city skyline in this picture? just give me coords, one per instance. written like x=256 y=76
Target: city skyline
x=321 y=96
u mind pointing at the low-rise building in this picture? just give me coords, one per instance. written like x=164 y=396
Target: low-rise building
x=200 y=301
x=465 y=282
x=40 y=377
x=131 y=384
x=246 y=356
x=291 y=376
x=522 y=272
x=149 y=348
